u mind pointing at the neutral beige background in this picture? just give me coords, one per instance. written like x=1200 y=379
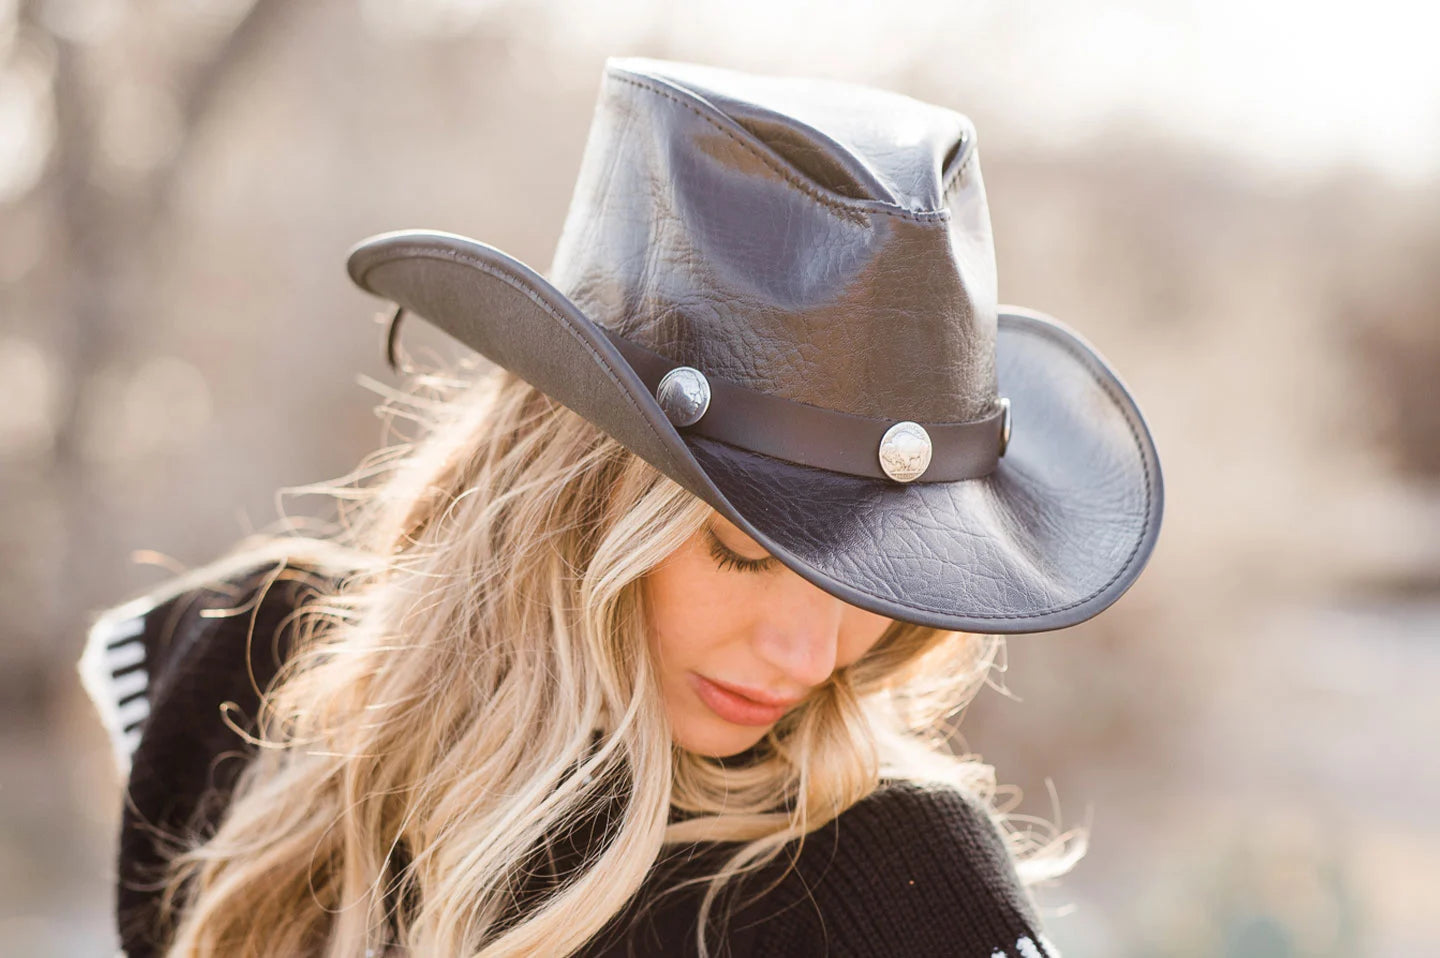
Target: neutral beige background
x=1236 y=203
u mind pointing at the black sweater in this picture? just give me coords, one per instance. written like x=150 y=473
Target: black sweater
x=910 y=870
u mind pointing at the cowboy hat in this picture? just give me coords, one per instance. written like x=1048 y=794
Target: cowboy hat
x=781 y=293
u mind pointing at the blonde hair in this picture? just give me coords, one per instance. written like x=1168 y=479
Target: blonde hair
x=476 y=680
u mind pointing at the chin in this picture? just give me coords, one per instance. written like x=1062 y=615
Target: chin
x=718 y=739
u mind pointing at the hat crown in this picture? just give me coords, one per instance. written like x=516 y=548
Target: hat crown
x=821 y=241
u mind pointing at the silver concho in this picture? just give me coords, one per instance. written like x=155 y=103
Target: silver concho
x=905 y=451
x=684 y=394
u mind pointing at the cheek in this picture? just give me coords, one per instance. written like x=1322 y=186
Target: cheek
x=698 y=623
x=860 y=633
x=692 y=611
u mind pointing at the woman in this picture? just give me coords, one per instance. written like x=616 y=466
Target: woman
x=647 y=645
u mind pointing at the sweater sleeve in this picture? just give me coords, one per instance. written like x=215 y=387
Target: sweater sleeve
x=164 y=675
x=912 y=870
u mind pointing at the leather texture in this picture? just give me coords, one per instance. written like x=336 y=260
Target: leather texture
x=826 y=244
x=823 y=438
x=695 y=238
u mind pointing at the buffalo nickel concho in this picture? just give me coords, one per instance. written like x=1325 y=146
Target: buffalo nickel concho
x=684 y=395
x=905 y=451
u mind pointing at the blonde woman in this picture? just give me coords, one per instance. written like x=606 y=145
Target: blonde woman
x=647 y=644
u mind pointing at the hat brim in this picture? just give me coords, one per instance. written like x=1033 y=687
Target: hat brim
x=1051 y=538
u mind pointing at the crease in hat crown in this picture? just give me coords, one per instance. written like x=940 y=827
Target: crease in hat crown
x=803 y=238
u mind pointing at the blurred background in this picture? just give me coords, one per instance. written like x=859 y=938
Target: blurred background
x=1237 y=201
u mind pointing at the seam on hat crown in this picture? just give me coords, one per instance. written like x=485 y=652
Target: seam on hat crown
x=911 y=160
x=772 y=158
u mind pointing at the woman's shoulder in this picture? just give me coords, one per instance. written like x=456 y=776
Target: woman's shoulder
x=913 y=869
x=184 y=649
x=175 y=675
x=922 y=823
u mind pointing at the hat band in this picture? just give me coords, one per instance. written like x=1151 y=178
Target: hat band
x=822 y=438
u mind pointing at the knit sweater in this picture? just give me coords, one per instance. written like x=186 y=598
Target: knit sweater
x=912 y=870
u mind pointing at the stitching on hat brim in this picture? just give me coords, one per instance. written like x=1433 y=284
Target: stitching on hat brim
x=1027 y=325
x=520 y=284
x=1107 y=384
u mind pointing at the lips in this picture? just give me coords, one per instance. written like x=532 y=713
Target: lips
x=734 y=706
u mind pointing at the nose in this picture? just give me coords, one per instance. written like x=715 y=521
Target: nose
x=798 y=632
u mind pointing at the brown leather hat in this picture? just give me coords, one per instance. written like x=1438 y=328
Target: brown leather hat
x=781 y=293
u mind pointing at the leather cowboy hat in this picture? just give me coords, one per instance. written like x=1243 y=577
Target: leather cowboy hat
x=781 y=293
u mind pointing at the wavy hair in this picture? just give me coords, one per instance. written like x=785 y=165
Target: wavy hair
x=476 y=680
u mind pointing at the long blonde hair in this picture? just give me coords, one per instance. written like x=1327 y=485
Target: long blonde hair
x=476 y=680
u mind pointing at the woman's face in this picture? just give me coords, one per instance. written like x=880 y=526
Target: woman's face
x=739 y=639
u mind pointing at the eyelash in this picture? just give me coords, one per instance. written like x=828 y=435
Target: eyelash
x=726 y=558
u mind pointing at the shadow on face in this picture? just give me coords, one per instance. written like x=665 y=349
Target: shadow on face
x=739 y=639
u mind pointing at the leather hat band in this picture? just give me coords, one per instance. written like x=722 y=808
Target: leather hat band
x=823 y=438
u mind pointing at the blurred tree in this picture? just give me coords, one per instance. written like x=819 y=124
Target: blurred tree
x=100 y=224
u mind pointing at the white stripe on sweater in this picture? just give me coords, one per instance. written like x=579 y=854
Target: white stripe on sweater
x=1027 y=948
x=124 y=655
x=111 y=646
x=129 y=684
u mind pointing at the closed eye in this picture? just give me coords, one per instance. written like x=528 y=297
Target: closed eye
x=727 y=558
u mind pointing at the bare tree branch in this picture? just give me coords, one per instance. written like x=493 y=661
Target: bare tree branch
x=204 y=86
x=102 y=238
